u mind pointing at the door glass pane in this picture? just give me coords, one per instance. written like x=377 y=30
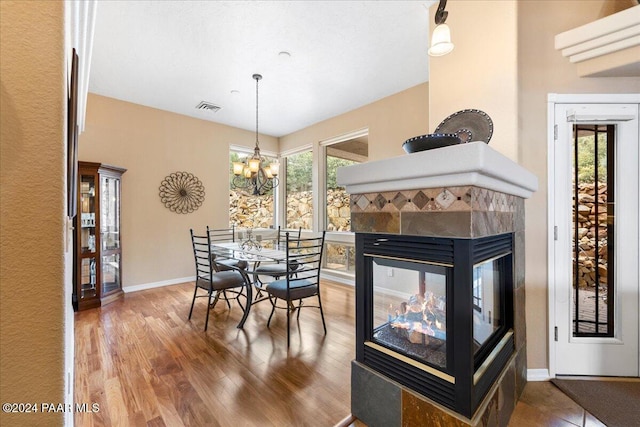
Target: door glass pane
x=110 y=213
x=299 y=201
x=88 y=278
x=410 y=308
x=487 y=303
x=592 y=230
x=110 y=273
x=87 y=214
x=344 y=153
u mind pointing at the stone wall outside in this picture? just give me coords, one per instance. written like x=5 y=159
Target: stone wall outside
x=299 y=213
x=257 y=211
x=590 y=195
x=250 y=211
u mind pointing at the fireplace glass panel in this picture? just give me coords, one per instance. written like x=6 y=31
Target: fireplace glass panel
x=487 y=316
x=409 y=308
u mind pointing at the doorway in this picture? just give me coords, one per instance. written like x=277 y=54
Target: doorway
x=593 y=254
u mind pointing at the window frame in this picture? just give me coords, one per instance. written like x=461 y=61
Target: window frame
x=282 y=191
x=322 y=181
x=335 y=237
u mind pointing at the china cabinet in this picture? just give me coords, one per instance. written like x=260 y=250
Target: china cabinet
x=98 y=249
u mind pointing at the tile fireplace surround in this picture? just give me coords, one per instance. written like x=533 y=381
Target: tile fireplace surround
x=467 y=191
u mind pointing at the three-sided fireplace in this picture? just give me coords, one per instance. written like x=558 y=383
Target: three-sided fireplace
x=440 y=301
x=436 y=314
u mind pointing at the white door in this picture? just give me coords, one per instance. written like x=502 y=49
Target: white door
x=595 y=256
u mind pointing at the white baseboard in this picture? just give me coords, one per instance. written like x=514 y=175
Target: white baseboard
x=538 y=375
x=160 y=284
x=135 y=288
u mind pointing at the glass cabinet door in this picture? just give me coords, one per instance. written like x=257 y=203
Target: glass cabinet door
x=110 y=233
x=88 y=282
x=88 y=288
x=110 y=209
x=110 y=273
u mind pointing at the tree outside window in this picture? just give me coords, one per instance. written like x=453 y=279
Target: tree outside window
x=299 y=198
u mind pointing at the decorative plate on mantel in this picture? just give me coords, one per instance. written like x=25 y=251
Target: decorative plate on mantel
x=429 y=142
x=469 y=125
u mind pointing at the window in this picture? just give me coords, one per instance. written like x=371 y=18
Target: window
x=247 y=210
x=345 y=153
x=299 y=196
x=340 y=257
x=338 y=152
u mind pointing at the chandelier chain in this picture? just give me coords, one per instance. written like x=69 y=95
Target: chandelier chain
x=257 y=77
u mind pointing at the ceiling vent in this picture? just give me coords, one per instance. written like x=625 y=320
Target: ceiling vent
x=208 y=106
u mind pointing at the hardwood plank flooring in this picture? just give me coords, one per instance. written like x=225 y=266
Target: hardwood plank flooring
x=544 y=404
x=144 y=363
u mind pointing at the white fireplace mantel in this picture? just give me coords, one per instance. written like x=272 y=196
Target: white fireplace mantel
x=471 y=164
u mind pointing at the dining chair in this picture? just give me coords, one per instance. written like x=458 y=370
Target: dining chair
x=223 y=235
x=274 y=270
x=282 y=234
x=303 y=283
x=214 y=280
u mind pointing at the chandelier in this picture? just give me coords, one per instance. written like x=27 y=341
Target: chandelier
x=254 y=176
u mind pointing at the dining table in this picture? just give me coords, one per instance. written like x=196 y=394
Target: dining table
x=246 y=259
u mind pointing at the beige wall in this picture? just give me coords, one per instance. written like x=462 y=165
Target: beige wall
x=506 y=66
x=544 y=70
x=32 y=223
x=391 y=121
x=152 y=144
x=481 y=71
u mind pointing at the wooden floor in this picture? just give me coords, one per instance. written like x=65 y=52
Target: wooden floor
x=145 y=364
x=543 y=404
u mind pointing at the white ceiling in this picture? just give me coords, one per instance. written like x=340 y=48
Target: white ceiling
x=172 y=55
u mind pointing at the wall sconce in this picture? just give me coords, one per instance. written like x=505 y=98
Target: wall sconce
x=441 y=37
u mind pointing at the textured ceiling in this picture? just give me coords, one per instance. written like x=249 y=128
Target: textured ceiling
x=172 y=55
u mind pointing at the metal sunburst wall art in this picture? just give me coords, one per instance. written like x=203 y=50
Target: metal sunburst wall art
x=181 y=192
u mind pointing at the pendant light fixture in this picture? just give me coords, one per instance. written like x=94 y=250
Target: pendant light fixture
x=254 y=176
x=441 y=37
